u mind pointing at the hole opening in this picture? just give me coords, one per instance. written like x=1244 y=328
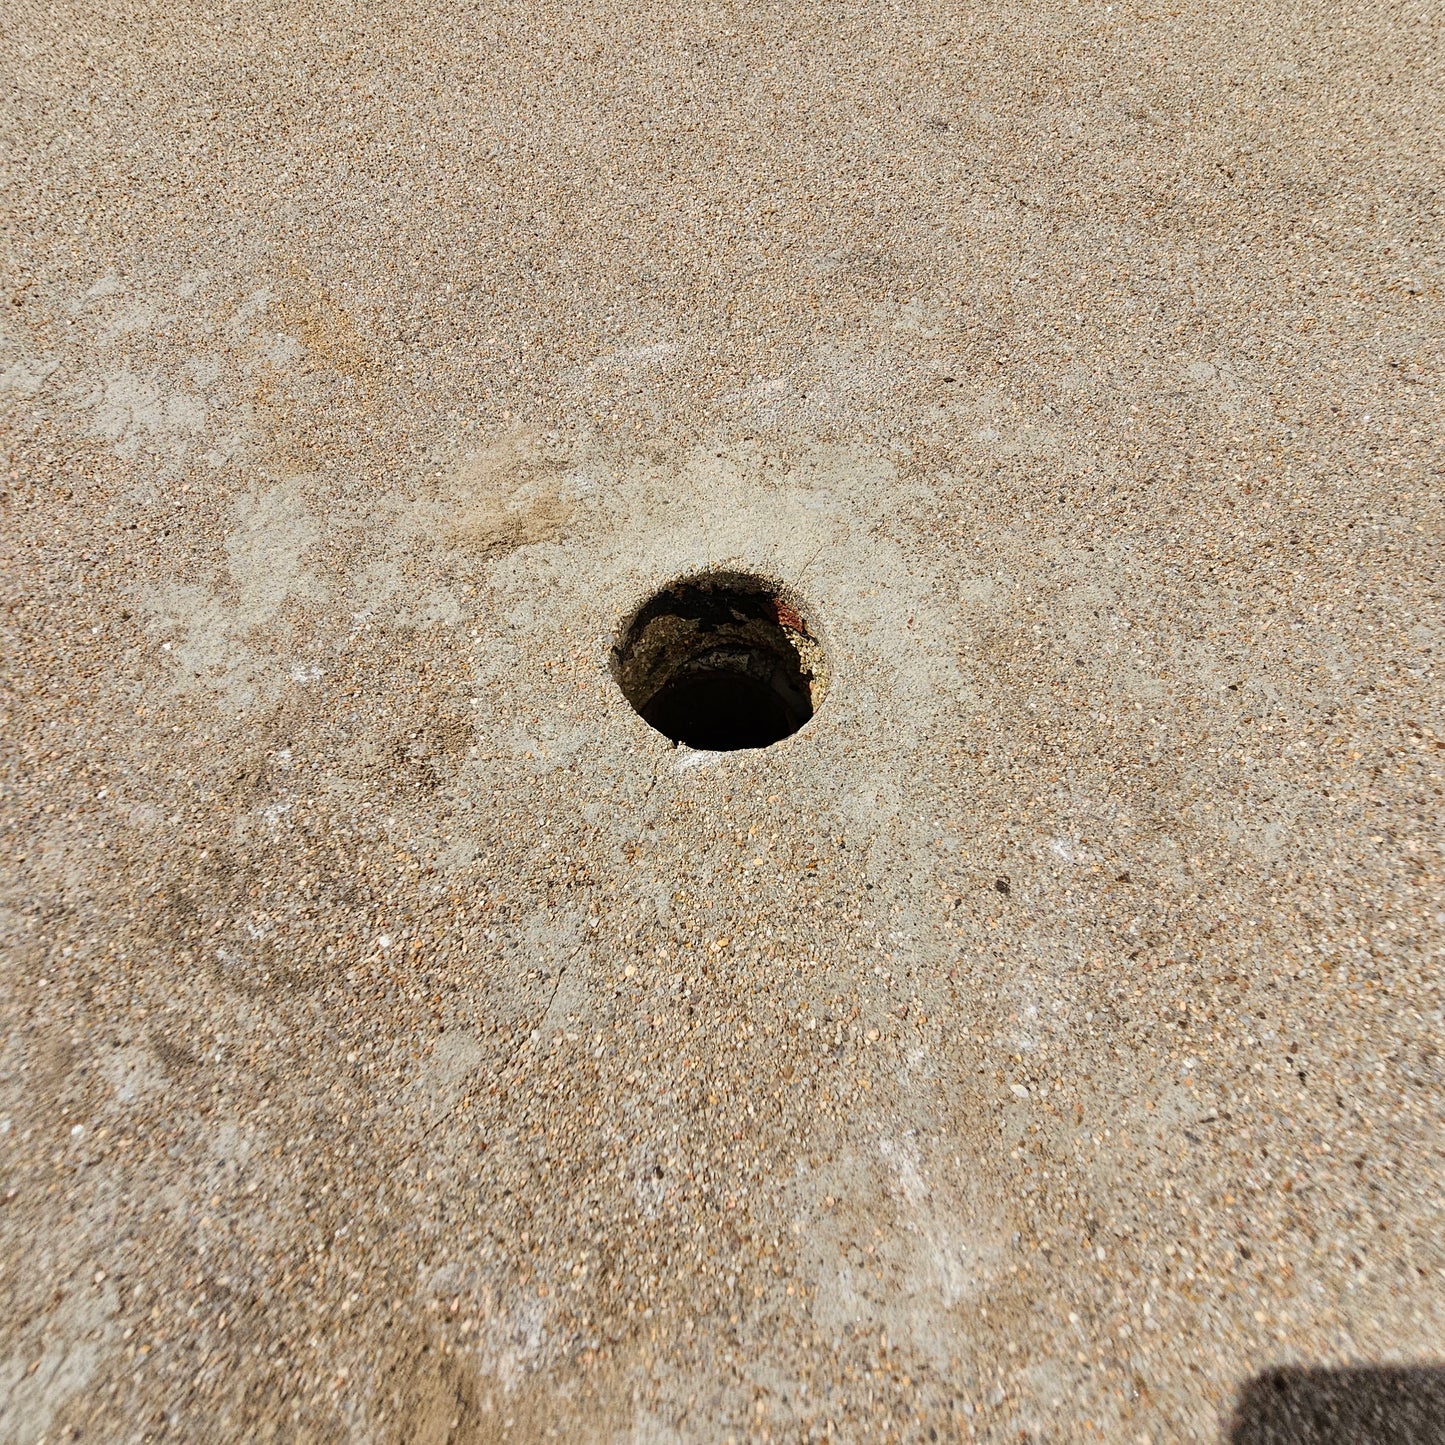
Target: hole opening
x=722 y=661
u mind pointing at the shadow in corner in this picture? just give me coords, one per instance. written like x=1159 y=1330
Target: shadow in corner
x=1361 y=1405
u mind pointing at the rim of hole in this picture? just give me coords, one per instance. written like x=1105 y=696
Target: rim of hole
x=723 y=660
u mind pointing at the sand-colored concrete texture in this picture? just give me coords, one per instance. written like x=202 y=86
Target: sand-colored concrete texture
x=403 y=1042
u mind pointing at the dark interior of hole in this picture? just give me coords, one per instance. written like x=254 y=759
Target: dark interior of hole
x=721 y=710
x=710 y=665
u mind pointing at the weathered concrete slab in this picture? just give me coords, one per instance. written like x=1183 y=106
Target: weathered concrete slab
x=405 y=1042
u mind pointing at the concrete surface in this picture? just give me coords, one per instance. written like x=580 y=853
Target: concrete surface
x=402 y=1041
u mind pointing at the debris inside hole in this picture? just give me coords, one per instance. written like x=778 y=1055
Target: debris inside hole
x=722 y=661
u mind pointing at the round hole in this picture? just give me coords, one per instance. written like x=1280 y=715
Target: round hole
x=722 y=661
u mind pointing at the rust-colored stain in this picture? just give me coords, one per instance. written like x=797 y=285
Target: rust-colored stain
x=787 y=617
